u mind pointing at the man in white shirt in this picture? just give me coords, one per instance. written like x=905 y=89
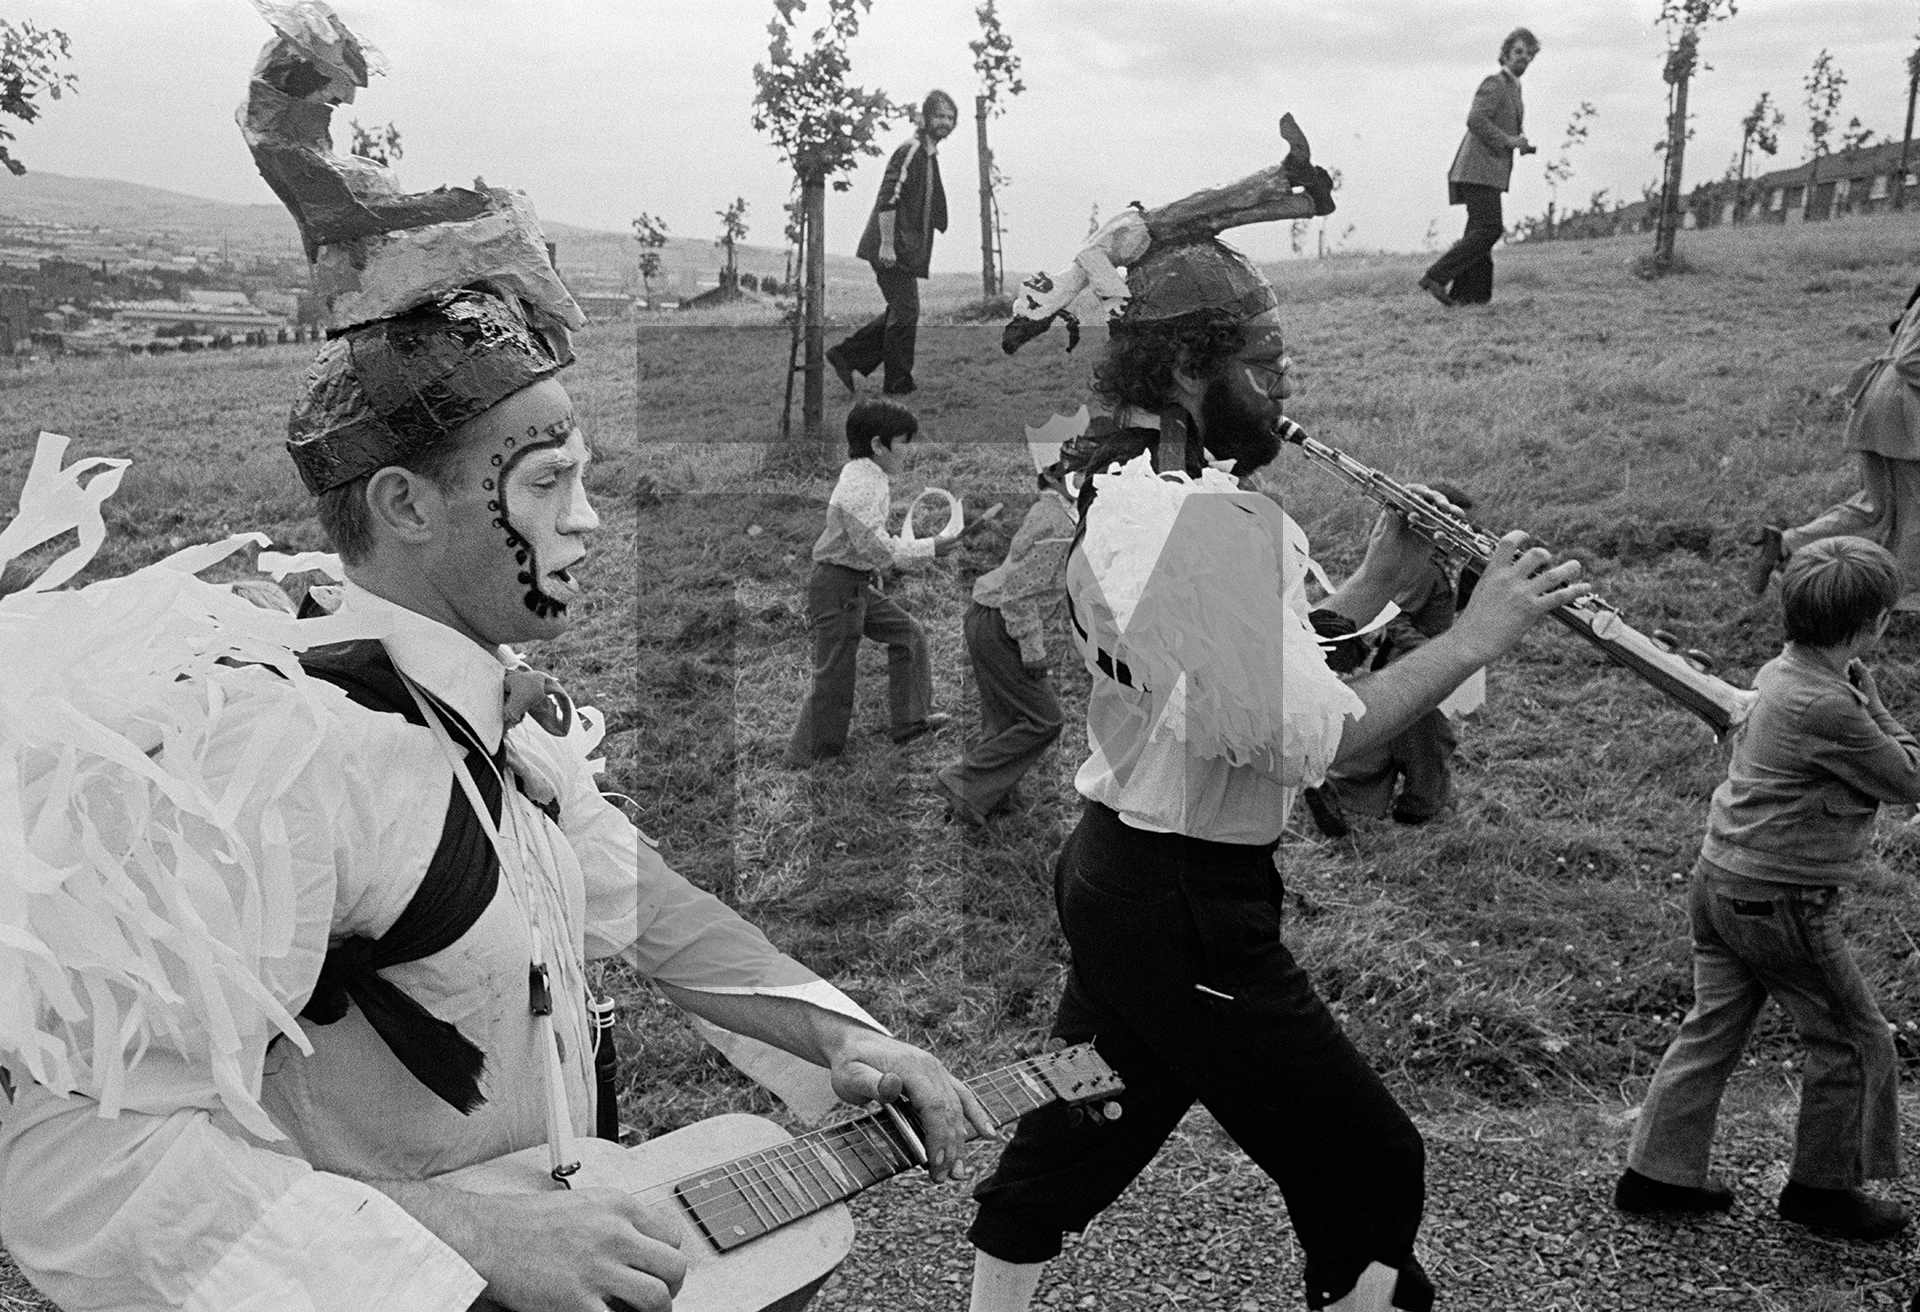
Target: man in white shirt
x=450 y=472
x=1211 y=706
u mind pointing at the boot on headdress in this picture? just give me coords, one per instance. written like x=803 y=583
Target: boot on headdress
x=1296 y=188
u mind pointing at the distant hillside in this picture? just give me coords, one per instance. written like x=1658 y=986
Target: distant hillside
x=131 y=212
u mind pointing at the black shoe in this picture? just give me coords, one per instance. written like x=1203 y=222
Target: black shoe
x=1640 y=1194
x=1845 y=1213
x=932 y=724
x=1772 y=551
x=958 y=807
x=898 y=387
x=841 y=369
x=1324 y=807
x=1440 y=293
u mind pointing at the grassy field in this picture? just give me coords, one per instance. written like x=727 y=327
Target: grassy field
x=1528 y=952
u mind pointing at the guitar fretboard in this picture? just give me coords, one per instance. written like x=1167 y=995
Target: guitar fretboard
x=751 y=1195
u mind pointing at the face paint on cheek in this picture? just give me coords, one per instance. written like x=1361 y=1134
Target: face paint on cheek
x=1257 y=381
x=540 y=588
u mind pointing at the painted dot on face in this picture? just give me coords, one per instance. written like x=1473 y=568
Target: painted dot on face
x=495 y=459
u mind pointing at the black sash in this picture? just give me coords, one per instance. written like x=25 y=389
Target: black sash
x=460 y=882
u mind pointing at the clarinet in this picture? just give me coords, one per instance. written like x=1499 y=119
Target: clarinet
x=1681 y=676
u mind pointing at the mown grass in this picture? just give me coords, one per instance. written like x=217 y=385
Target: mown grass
x=1534 y=944
x=1530 y=948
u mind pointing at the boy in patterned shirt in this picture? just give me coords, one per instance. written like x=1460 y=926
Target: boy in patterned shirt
x=1006 y=628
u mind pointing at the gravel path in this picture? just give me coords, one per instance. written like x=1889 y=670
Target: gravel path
x=1519 y=1216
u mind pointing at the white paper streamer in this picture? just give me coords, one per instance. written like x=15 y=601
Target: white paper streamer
x=141 y=903
x=278 y=565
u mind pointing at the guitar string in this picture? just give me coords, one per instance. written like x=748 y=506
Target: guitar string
x=765 y=1191
x=766 y=1180
x=728 y=1213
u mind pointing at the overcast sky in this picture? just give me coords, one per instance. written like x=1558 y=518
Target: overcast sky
x=600 y=109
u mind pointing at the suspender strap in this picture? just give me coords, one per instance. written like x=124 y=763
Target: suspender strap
x=460 y=883
x=565 y=1160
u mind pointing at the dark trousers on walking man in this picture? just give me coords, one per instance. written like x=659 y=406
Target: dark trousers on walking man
x=1466 y=270
x=887 y=340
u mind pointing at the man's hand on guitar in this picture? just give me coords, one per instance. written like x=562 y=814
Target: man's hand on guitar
x=871 y=1067
x=581 y=1251
x=1518 y=590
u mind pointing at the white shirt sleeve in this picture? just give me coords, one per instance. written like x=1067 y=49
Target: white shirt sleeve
x=672 y=931
x=866 y=494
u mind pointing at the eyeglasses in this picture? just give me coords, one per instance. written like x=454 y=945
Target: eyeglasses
x=1274 y=372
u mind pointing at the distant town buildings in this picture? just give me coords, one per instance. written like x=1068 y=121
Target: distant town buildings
x=1866 y=181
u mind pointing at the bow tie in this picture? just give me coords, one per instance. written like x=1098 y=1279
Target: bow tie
x=530 y=692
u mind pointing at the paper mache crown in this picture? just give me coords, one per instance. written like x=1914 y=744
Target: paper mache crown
x=439 y=304
x=1175 y=263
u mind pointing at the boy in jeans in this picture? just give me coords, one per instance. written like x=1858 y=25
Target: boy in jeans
x=1787 y=832
x=844 y=600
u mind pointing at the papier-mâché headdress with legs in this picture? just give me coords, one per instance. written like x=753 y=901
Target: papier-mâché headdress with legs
x=1173 y=263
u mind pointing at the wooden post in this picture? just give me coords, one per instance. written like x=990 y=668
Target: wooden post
x=1676 y=152
x=1906 y=140
x=796 y=328
x=989 y=266
x=813 y=195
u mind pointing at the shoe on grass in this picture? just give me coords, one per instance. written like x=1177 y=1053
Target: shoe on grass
x=1844 y=1213
x=841 y=368
x=1324 y=807
x=932 y=724
x=1772 y=550
x=958 y=807
x=1641 y=1194
x=899 y=386
x=1439 y=292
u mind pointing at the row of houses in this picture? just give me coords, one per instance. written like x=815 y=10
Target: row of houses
x=1865 y=181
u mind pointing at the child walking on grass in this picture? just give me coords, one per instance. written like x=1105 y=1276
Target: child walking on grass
x=845 y=600
x=1417 y=761
x=1786 y=835
x=1006 y=627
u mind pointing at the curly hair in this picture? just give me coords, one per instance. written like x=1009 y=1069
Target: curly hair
x=1137 y=370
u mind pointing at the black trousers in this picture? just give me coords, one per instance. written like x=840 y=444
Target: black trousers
x=888 y=338
x=1182 y=983
x=1467 y=267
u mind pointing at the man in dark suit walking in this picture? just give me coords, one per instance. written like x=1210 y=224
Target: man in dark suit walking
x=898 y=243
x=1481 y=168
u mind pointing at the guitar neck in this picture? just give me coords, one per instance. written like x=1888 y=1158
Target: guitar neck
x=751 y=1195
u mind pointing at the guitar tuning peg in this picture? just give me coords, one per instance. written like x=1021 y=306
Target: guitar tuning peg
x=1054 y=1045
x=1110 y=1111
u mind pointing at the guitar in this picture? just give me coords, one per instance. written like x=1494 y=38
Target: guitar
x=762 y=1231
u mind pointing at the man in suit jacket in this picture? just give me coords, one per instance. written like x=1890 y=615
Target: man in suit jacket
x=1481 y=168
x=898 y=243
